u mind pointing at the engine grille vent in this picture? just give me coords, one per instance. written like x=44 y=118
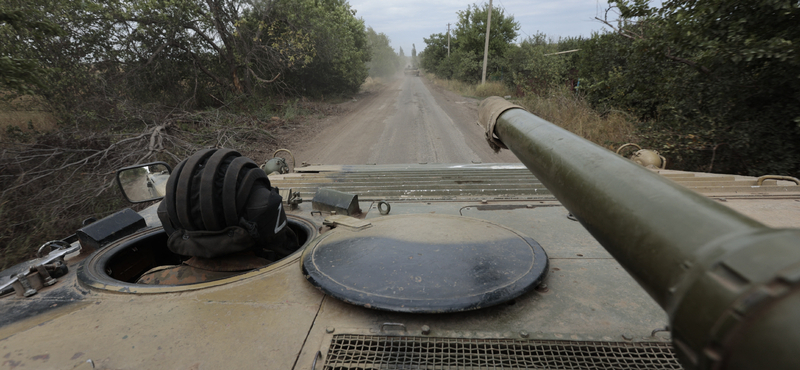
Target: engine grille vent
x=380 y=352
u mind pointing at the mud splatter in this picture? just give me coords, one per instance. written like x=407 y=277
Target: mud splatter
x=43 y=357
x=11 y=363
x=77 y=355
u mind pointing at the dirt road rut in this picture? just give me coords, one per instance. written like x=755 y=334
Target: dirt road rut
x=408 y=121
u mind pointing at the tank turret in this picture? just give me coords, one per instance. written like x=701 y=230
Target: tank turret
x=728 y=283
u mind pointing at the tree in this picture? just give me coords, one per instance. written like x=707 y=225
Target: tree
x=340 y=41
x=384 y=61
x=467 y=44
x=401 y=57
x=433 y=58
x=717 y=79
x=532 y=70
x=180 y=52
x=18 y=73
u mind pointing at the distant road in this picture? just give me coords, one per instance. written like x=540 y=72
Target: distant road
x=406 y=122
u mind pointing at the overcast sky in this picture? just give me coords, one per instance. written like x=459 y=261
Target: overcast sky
x=408 y=21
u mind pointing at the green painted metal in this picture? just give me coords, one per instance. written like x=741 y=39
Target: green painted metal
x=728 y=283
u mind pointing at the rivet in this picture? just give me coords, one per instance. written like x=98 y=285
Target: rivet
x=524 y=334
x=627 y=336
x=484 y=201
x=330 y=329
x=426 y=329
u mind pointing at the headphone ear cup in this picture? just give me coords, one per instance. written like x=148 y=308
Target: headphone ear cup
x=265 y=208
x=169 y=198
x=186 y=189
x=163 y=215
x=234 y=175
x=210 y=202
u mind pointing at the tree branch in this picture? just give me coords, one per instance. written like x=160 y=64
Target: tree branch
x=687 y=62
x=204 y=70
x=259 y=79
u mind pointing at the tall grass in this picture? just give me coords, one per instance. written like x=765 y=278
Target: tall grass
x=491 y=88
x=559 y=106
x=570 y=111
x=372 y=84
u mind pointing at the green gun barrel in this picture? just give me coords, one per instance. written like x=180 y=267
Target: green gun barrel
x=730 y=285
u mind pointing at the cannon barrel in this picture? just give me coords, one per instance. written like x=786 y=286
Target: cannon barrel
x=728 y=283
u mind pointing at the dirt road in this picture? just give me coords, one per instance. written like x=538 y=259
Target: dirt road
x=408 y=121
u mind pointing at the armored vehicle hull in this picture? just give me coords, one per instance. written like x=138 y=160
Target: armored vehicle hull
x=588 y=310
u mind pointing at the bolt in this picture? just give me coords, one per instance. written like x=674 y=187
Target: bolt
x=26 y=285
x=48 y=280
x=426 y=329
x=524 y=334
x=542 y=288
x=330 y=330
x=627 y=336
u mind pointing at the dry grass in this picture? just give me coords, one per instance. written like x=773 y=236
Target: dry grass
x=24 y=114
x=568 y=110
x=559 y=106
x=372 y=84
x=491 y=88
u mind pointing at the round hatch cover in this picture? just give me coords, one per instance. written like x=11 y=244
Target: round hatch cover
x=425 y=264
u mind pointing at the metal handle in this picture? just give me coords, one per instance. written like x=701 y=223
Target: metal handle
x=384 y=325
x=316 y=357
x=59 y=243
x=627 y=145
x=653 y=333
x=776 y=177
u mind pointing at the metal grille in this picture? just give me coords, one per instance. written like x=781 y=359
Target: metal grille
x=380 y=352
x=433 y=184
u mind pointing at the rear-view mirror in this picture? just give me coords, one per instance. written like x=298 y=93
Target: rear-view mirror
x=144 y=182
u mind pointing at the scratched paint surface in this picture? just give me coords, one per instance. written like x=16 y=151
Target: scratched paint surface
x=257 y=323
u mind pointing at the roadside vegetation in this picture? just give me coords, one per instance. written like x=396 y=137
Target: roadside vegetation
x=87 y=87
x=713 y=85
x=560 y=106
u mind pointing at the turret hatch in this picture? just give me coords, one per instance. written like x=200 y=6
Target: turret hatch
x=425 y=264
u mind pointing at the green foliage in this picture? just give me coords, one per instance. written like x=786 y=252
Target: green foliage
x=384 y=61
x=717 y=81
x=533 y=66
x=17 y=72
x=91 y=56
x=340 y=41
x=414 y=59
x=467 y=45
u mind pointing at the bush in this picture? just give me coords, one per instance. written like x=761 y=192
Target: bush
x=491 y=88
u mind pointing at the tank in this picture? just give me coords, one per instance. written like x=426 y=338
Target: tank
x=576 y=258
